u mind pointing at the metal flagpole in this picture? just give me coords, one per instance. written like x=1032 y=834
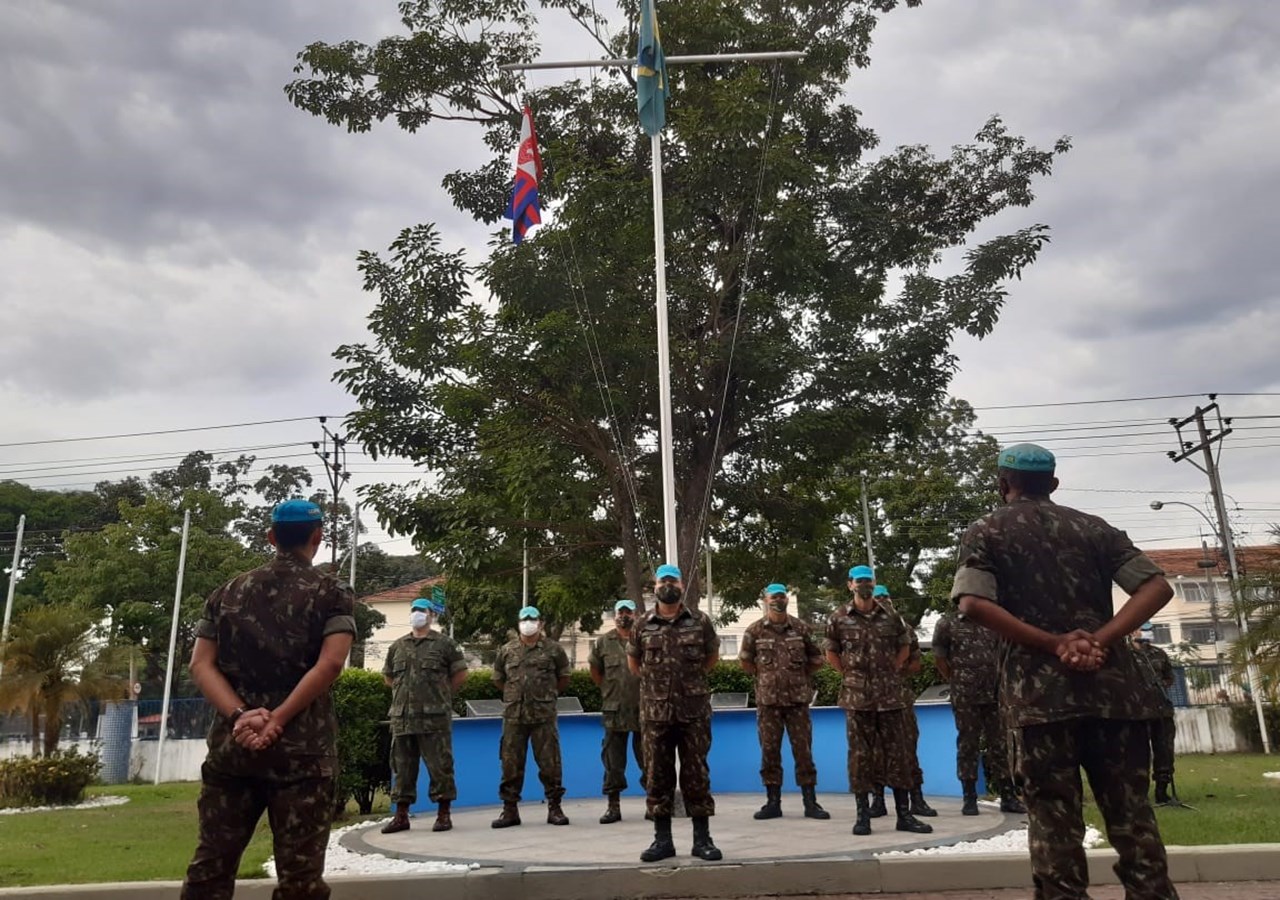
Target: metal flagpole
x=13 y=583
x=173 y=640
x=664 y=362
x=866 y=525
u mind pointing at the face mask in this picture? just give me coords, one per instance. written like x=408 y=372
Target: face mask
x=778 y=606
x=529 y=627
x=669 y=594
x=865 y=591
x=418 y=620
x=624 y=622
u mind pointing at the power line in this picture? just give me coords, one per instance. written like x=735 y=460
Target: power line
x=1126 y=400
x=110 y=437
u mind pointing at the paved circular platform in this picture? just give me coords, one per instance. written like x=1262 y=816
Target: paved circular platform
x=585 y=843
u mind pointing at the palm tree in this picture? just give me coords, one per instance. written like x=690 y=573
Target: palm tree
x=1259 y=601
x=54 y=661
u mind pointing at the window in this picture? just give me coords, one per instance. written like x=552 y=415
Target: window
x=1160 y=634
x=728 y=646
x=1198 y=634
x=1197 y=591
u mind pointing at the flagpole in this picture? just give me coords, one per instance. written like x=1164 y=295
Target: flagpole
x=664 y=361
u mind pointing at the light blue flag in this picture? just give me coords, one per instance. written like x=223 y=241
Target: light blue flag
x=651 y=73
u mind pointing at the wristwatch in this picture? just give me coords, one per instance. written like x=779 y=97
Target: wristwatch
x=236 y=714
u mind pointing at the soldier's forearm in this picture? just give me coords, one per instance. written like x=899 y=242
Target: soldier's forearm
x=748 y=667
x=834 y=660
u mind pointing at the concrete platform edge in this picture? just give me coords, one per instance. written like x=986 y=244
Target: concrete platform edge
x=1221 y=863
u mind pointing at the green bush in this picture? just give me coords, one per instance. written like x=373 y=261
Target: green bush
x=827 y=681
x=728 y=677
x=1245 y=719
x=361 y=699
x=478 y=686
x=58 y=779
x=582 y=687
x=928 y=675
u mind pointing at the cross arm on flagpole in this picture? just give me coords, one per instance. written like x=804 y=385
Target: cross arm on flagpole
x=671 y=60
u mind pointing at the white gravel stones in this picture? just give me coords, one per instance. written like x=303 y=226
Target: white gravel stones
x=1271 y=774
x=91 y=803
x=1014 y=841
x=341 y=861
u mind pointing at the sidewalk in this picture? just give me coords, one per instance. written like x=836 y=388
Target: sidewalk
x=1236 y=890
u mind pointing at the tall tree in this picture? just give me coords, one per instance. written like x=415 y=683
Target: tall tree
x=814 y=289
x=1259 y=602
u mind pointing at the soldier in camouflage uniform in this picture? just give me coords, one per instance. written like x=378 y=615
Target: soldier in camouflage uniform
x=966 y=655
x=619 y=707
x=530 y=671
x=919 y=807
x=671 y=650
x=1163 y=728
x=268 y=646
x=1040 y=576
x=424 y=669
x=781 y=652
x=869 y=644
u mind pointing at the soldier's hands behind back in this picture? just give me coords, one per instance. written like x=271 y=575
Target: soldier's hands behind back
x=1080 y=651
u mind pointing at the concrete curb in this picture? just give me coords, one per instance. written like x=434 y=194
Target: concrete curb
x=1222 y=863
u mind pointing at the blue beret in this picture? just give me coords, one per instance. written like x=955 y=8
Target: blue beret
x=880 y=591
x=668 y=571
x=421 y=603
x=297 y=510
x=530 y=612
x=1027 y=458
x=624 y=604
x=775 y=589
x=861 y=572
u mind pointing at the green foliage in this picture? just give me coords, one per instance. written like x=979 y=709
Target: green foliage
x=478 y=686
x=56 y=779
x=361 y=699
x=1244 y=716
x=728 y=677
x=582 y=687
x=811 y=319
x=827 y=681
x=928 y=675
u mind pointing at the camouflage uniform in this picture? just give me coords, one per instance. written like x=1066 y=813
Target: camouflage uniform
x=783 y=654
x=913 y=724
x=420 y=669
x=871 y=694
x=675 y=707
x=1052 y=567
x=620 y=711
x=529 y=675
x=1163 y=729
x=971 y=651
x=269 y=625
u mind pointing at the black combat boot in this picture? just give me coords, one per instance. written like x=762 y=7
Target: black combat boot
x=1009 y=801
x=702 y=846
x=662 y=846
x=613 y=812
x=509 y=816
x=862 y=824
x=918 y=806
x=877 y=808
x=555 y=815
x=1162 y=790
x=970 y=807
x=811 y=808
x=400 y=821
x=906 y=821
x=444 y=821
x=772 y=808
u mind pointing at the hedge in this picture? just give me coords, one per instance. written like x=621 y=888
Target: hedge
x=361 y=700
x=58 y=779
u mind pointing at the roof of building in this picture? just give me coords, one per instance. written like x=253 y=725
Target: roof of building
x=1182 y=560
x=405 y=592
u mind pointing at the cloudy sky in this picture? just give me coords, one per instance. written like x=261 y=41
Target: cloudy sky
x=177 y=242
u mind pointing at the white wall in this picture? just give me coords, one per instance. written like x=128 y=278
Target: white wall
x=1206 y=729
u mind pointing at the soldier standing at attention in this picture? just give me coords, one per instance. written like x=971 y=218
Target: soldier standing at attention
x=671 y=650
x=966 y=656
x=530 y=671
x=918 y=805
x=781 y=652
x=268 y=646
x=619 y=706
x=424 y=669
x=1163 y=727
x=869 y=644
x=1040 y=576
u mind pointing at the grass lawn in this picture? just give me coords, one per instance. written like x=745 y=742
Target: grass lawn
x=149 y=838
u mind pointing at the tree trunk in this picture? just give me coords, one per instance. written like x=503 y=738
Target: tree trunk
x=52 y=726
x=35 y=730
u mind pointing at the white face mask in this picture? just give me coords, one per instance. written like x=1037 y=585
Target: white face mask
x=529 y=627
x=418 y=620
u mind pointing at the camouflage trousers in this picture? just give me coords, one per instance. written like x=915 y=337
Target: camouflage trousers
x=770 y=722
x=877 y=749
x=1114 y=755
x=913 y=743
x=1163 y=731
x=298 y=800
x=692 y=741
x=435 y=748
x=613 y=753
x=516 y=738
x=980 y=733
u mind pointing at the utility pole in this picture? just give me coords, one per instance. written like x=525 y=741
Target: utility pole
x=332 y=451
x=13 y=583
x=1203 y=444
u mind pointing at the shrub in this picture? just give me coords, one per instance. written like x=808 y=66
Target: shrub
x=361 y=699
x=827 y=681
x=57 y=779
x=478 y=686
x=582 y=687
x=728 y=677
x=1245 y=719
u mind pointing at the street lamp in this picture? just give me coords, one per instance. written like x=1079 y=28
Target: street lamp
x=1224 y=540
